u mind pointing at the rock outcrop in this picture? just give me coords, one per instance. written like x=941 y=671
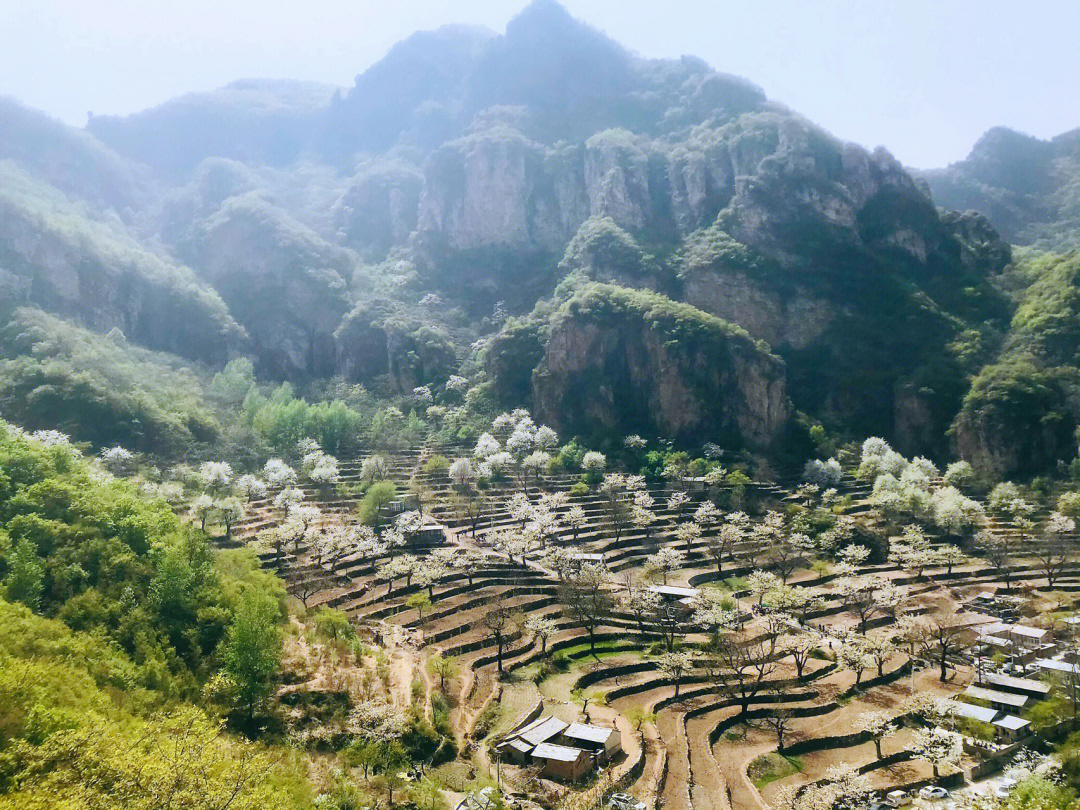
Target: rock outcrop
x=285 y=284
x=635 y=361
x=98 y=276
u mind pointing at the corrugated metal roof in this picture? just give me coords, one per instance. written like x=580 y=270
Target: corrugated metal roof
x=972 y=712
x=582 y=731
x=542 y=730
x=1019 y=684
x=994 y=696
x=517 y=744
x=1056 y=666
x=1012 y=722
x=562 y=753
x=673 y=590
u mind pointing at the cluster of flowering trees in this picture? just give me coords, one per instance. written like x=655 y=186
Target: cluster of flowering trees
x=910 y=489
x=515 y=445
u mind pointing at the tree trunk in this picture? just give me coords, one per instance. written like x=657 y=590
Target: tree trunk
x=877 y=746
x=944 y=670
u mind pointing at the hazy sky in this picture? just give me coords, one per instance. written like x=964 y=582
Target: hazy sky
x=923 y=77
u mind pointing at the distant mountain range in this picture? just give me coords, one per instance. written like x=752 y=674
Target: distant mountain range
x=1028 y=188
x=622 y=244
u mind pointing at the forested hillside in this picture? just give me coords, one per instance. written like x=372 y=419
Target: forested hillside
x=1029 y=188
x=115 y=618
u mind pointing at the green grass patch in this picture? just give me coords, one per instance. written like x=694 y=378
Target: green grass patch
x=604 y=649
x=732 y=584
x=772 y=766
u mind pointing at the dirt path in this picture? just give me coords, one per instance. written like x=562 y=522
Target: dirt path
x=733 y=763
x=709 y=789
x=429 y=686
x=459 y=717
x=655 y=763
x=401 y=664
x=676 y=795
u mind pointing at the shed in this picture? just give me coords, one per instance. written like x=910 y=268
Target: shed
x=1011 y=727
x=972 y=712
x=561 y=761
x=1054 y=665
x=1003 y=701
x=1022 y=686
x=606 y=742
x=515 y=750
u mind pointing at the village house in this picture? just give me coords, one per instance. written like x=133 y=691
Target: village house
x=565 y=751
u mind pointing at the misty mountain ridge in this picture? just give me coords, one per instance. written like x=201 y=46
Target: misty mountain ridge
x=492 y=204
x=1029 y=188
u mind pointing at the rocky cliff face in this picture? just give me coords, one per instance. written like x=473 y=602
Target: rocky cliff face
x=483 y=171
x=795 y=320
x=285 y=284
x=611 y=363
x=97 y=275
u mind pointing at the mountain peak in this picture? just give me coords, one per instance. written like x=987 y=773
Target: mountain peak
x=548 y=20
x=544 y=11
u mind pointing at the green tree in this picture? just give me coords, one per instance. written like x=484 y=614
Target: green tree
x=253 y=649
x=445 y=666
x=376 y=499
x=421 y=603
x=26 y=575
x=233 y=383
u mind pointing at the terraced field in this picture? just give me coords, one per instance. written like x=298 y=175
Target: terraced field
x=692 y=752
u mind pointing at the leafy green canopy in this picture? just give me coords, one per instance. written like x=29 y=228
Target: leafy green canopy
x=95 y=554
x=100 y=389
x=1021 y=412
x=138 y=610
x=78 y=732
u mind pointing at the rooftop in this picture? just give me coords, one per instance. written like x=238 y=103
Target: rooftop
x=673 y=590
x=541 y=730
x=582 y=731
x=994 y=696
x=1017 y=684
x=1012 y=723
x=517 y=744
x=1057 y=666
x=999 y=628
x=562 y=753
x=972 y=712
x=477 y=800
